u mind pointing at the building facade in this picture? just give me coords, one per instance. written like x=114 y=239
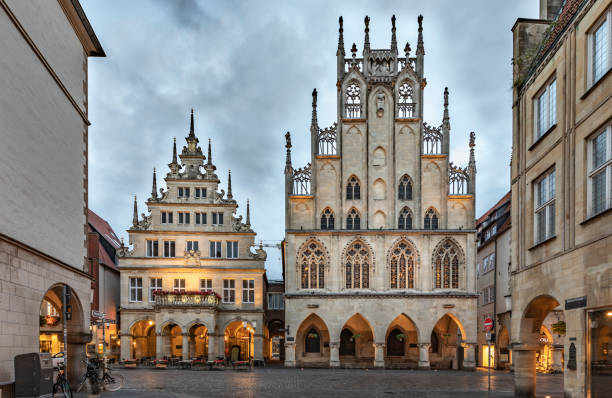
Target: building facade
x=45 y=48
x=561 y=193
x=190 y=286
x=379 y=253
x=275 y=321
x=102 y=245
x=493 y=284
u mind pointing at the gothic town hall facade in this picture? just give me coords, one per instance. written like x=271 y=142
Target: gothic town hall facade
x=379 y=250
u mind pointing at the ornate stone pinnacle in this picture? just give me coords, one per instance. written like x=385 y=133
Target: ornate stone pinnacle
x=340 y=36
x=366 y=42
x=229 y=185
x=354 y=50
x=393 y=38
x=288 y=166
x=135 y=216
x=314 y=124
x=248 y=214
x=209 y=152
x=154 y=188
x=191 y=129
x=174 y=160
x=420 y=20
x=420 y=47
x=407 y=50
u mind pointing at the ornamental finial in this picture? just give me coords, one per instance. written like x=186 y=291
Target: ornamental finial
x=366 y=42
x=248 y=214
x=135 y=216
x=229 y=185
x=340 y=37
x=154 y=188
x=393 y=38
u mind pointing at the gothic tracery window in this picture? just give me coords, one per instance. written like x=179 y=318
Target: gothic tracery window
x=327 y=219
x=405 y=219
x=312 y=260
x=353 y=220
x=353 y=190
x=357 y=263
x=446 y=265
x=431 y=219
x=353 y=101
x=404 y=190
x=405 y=103
x=402 y=263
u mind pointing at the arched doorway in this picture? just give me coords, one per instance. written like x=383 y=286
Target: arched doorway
x=172 y=341
x=528 y=359
x=276 y=336
x=356 y=343
x=143 y=339
x=51 y=336
x=239 y=341
x=312 y=342
x=446 y=350
x=401 y=344
x=504 y=359
x=198 y=341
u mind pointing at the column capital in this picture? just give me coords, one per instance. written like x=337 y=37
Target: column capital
x=334 y=344
x=424 y=345
x=379 y=345
x=290 y=344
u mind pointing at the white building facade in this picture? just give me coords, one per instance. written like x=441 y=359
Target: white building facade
x=191 y=287
x=379 y=251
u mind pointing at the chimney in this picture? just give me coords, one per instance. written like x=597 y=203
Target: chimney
x=549 y=9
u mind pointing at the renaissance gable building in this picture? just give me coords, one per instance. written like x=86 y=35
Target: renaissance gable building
x=191 y=287
x=379 y=251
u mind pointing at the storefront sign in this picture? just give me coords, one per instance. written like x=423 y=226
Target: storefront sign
x=576 y=302
x=289 y=338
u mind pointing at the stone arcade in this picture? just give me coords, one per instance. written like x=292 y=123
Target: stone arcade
x=379 y=250
x=188 y=248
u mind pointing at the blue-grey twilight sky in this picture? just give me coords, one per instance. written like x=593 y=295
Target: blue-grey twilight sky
x=248 y=69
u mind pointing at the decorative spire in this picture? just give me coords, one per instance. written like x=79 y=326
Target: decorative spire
x=420 y=48
x=229 y=185
x=288 y=167
x=248 y=215
x=314 y=124
x=135 y=217
x=472 y=163
x=191 y=129
x=393 y=38
x=154 y=188
x=209 y=152
x=354 y=51
x=407 y=51
x=174 y=160
x=340 y=38
x=366 y=42
x=446 y=118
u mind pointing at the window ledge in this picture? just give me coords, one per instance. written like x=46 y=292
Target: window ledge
x=540 y=138
x=542 y=242
x=596 y=84
x=594 y=216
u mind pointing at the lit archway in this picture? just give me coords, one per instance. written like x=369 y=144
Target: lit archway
x=356 y=343
x=172 y=341
x=312 y=342
x=198 y=341
x=143 y=339
x=239 y=341
x=401 y=343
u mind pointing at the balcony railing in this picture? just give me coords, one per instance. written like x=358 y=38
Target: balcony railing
x=186 y=299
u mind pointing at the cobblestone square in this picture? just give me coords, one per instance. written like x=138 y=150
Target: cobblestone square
x=280 y=382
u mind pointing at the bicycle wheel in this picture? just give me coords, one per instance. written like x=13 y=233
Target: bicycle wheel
x=112 y=382
x=66 y=389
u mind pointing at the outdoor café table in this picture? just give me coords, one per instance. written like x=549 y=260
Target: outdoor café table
x=185 y=364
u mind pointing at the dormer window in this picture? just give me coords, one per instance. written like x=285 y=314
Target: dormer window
x=200 y=193
x=183 y=192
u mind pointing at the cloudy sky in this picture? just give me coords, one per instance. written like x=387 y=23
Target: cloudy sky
x=248 y=69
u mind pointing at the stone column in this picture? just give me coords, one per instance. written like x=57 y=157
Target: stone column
x=289 y=354
x=469 y=357
x=524 y=360
x=379 y=355
x=126 y=346
x=334 y=354
x=557 y=356
x=212 y=347
x=159 y=346
x=185 y=350
x=424 y=355
x=258 y=347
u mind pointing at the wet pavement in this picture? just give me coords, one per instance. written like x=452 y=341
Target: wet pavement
x=315 y=383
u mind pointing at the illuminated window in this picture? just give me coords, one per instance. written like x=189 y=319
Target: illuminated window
x=357 y=263
x=312 y=260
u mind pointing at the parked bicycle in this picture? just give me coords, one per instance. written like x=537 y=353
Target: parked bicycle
x=91 y=374
x=61 y=386
x=111 y=382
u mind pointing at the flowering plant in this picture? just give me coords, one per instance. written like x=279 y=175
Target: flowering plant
x=51 y=320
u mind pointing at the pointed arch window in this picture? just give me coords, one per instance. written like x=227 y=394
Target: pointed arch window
x=402 y=263
x=405 y=219
x=353 y=190
x=353 y=100
x=312 y=261
x=404 y=190
x=353 y=220
x=431 y=219
x=327 y=219
x=446 y=263
x=405 y=103
x=357 y=263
